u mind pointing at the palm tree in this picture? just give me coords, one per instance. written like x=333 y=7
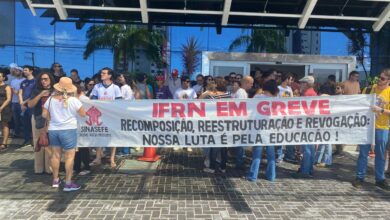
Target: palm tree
x=190 y=55
x=123 y=41
x=261 y=40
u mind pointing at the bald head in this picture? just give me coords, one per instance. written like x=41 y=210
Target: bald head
x=247 y=82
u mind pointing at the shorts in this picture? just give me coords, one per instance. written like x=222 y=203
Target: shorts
x=66 y=139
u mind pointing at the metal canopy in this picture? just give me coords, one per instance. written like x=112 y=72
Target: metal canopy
x=366 y=14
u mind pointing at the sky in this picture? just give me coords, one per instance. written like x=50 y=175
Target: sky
x=63 y=43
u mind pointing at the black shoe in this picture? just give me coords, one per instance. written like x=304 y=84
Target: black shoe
x=357 y=183
x=26 y=144
x=383 y=185
x=300 y=175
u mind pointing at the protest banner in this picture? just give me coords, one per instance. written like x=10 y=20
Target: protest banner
x=228 y=122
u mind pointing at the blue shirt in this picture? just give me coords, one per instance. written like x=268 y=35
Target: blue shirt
x=27 y=86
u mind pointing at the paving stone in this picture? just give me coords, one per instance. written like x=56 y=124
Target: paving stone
x=176 y=188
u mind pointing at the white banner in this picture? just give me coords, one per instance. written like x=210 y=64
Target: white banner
x=228 y=122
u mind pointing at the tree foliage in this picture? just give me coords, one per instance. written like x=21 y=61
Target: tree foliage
x=261 y=40
x=190 y=56
x=124 y=40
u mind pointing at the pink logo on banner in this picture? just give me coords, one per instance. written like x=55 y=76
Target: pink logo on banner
x=94 y=115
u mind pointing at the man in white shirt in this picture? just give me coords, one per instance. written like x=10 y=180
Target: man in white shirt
x=173 y=82
x=246 y=85
x=242 y=93
x=284 y=88
x=199 y=84
x=185 y=92
x=106 y=90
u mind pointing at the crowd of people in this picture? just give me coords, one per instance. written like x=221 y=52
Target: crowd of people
x=42 y=109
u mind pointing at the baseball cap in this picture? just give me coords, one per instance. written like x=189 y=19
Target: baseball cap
x=307 y=79
x=13 y=65
x=175 y=72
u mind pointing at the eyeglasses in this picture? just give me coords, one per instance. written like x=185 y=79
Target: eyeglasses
x=44 y=79
x=383 y=78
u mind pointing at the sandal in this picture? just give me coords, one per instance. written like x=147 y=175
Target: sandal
x=95 y=163
x=3 y=147
x=113 y=165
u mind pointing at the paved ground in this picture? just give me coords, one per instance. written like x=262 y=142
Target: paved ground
x=179 y=190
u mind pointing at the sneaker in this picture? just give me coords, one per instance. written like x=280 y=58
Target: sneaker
x=357 y=183
x=383 y=185
x=320 y=165
x=222 y=170
x=56 y=183
x=206 y=162
x=208 y=170
x=189 y=149
x=279 y=161
x=84 y=172
x=71 y=187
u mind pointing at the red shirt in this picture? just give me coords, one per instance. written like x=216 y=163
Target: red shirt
x=310 y=92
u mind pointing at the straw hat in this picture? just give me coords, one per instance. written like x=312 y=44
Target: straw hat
x=65 y=85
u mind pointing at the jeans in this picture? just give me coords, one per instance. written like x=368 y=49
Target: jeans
x=125 y=150
x=324 y=154
x=16 y=111
x=270 y=172
x=27 y=127
x=290 y=152
x=279 y=152
x=239 y=156
x=307 y=162
x=381 y=137
x=213 y=157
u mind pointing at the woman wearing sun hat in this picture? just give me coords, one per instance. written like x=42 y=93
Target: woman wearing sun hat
x=61 y=109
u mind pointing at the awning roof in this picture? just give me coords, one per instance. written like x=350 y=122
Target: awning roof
x=367 y=14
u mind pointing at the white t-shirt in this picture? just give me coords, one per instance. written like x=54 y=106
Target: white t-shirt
x=111 y=92
x=185 y=94
x=240 y=94
x=15 y=85
x=127 y=92
x=62 y=118
x=285 y=92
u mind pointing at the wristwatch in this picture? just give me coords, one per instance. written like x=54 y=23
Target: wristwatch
x=382 y=110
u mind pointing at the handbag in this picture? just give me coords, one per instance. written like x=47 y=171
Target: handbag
x=43 y=140
x=40 y=122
